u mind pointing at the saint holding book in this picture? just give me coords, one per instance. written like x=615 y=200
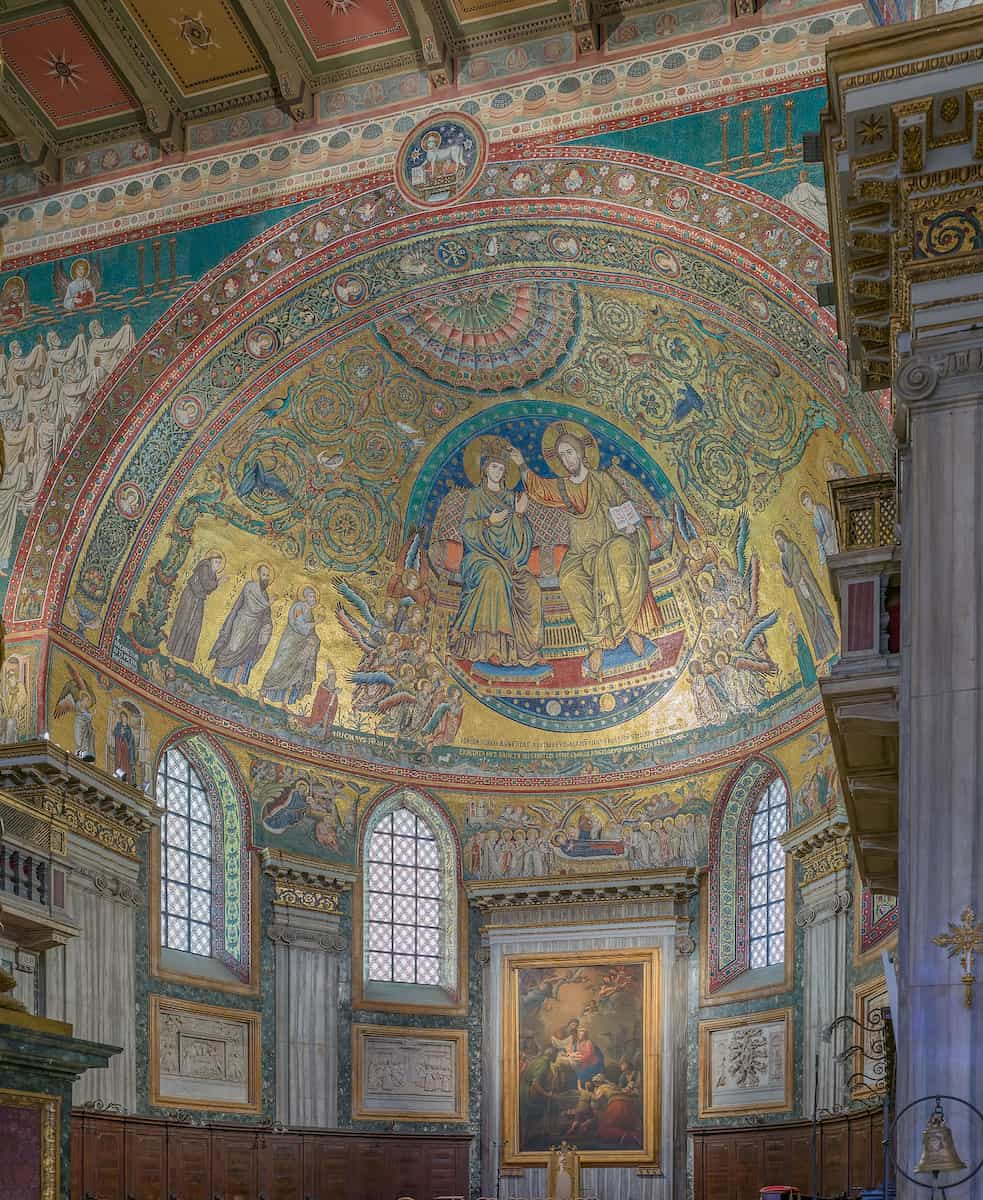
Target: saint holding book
x=604 y=574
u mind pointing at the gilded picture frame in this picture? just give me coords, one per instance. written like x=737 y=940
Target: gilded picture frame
x=364 y=1109
x=613 y=998
x=250 y=1020
x=48 y=1110
x=711 y=1103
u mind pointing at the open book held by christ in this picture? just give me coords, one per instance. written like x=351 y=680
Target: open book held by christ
x=625 y=516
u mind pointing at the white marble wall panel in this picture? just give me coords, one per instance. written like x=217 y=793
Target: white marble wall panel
x=307 y=954
x=91 y=981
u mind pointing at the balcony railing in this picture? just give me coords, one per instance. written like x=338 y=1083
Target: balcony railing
x=23 y=875
x=866 y=512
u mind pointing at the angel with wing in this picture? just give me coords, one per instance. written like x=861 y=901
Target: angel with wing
x=78 y=287
x=736 y=676
x=77 y=697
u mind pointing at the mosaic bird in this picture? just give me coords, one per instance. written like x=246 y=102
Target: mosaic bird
x=689 y=401
x=264 y=481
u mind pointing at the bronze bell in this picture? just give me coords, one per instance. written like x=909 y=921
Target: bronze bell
x=938 y=1150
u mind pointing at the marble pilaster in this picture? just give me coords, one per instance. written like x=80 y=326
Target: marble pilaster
x=90 y=982
x=821 y=848
x=941 y=814
x=310 y=953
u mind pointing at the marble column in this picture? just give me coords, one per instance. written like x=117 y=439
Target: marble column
x=90 y=982
x=312 y=979
x=941 y=809
x=821 y=848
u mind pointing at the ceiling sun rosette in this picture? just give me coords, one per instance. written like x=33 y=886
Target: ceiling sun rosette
x=527 y=493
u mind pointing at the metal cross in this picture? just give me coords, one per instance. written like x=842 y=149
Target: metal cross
x=966 y=940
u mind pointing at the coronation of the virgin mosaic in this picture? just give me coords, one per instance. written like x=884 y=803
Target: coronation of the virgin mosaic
x=451 y=558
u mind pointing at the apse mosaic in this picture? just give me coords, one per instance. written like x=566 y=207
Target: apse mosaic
x=527 y=495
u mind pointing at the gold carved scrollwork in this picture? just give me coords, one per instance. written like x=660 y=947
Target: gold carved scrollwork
x=292 y=895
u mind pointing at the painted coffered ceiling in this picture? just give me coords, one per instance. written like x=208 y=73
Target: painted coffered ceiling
x=131 y=81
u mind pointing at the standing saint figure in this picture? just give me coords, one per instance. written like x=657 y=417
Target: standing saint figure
x=499 y=618
x=15 y=706
x=190 y=612
x=124 y=747
x=294 y=667
x=245 y=632
x=604 y=573
x=816 y=615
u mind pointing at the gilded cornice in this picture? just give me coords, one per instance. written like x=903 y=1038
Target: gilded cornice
x=305 y=883
x=677 y=886
x=896 y=203
x=820 y=846
x=77 y=797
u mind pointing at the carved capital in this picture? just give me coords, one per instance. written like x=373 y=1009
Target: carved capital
x=327 y=942
x=824 y=909
x=944 y=374
x=685 y=946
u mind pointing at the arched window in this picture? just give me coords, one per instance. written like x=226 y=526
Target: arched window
x=409 y=919
x=186 y=858
x=202 y=867
x=766 y=875
x=747 y=930
x=404 y=890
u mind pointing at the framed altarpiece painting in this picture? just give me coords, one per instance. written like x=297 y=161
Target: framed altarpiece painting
x=581 y=1039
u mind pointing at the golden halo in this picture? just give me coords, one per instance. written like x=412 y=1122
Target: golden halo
x=213 y=553
x=305 y=587
x=555 y=431
x=80 y=267
x=268 y=567
x=479 y=449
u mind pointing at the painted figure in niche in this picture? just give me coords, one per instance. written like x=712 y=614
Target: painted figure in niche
x=124 y=746
x=816 y=615
x=76 y=697
x=604 y=574
x=15 y=705
x=294 y=668
x=78 y=289
x=13 y=300
x=822 y=523
x=245 y=632
x=500 y=614
x=189 y=615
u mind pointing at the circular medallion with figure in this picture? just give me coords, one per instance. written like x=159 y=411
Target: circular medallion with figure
x=440 y=159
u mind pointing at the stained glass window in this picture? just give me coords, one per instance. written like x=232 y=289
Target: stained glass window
x=186 y=857
x=404 y=890
x=766 y=877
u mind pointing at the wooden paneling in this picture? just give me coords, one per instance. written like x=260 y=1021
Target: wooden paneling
x=146 y=1162
x=281 y=1166
x=78 y=1152
x=734 y=1163
x=189 y=1163
x=103 y=1158
x=234 y=1167
x=136 y=1158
